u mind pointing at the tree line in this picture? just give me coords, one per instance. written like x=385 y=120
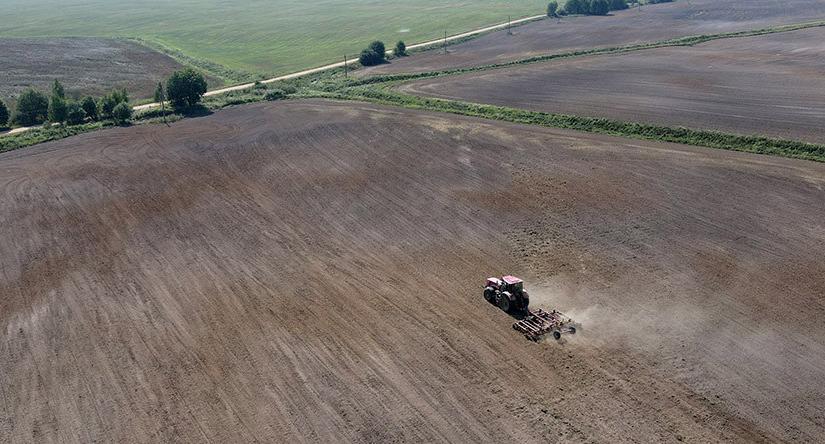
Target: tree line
x=376 y=53
x=183 y=89
x=585 y=7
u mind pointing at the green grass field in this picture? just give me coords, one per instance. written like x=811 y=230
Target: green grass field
x=258 y=36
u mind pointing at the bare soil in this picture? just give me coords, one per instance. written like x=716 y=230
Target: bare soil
x=84 y=65
x=650 y=23
x=311 y=272
x=766 y=85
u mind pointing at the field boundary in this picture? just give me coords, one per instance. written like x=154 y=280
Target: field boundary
x=378 y=89
x=711 y=139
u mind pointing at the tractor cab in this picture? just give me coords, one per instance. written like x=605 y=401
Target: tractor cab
x=508 y=293
x=494 y=283
x=512 y=284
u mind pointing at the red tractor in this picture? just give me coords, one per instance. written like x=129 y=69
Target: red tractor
x=508 y=293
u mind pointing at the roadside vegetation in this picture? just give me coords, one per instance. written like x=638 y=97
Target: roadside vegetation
x=185 y=90
x=585 y=7
x=374 y=54
x=61 y=117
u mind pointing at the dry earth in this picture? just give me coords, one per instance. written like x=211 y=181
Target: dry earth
x=84 y=65
x=311 y=271
x=765 y=85
x=651 y=23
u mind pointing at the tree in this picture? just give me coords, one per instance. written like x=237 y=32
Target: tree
x=618 y=5
x=32 y=108
x=185 y=88
x=373 y=55
x=599 y=7
x=160 y=97
x=122 y=113
x=160 y=94
x=370 y=58
x=89 y=107
x=74 y=113
x=400 y=49
x=57 y=90
x=378 y=46
x=57 y=104
x=120 y=95
x=576 y=7
x=552 y=8
x=108 y=103
x=4 y=114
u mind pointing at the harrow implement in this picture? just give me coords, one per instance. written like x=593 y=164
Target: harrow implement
x=538 y=323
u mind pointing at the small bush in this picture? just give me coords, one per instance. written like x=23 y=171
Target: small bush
x=552 y=9
x=32 y=108
x=275 y=94
x=122 y=113
x=74 y=113
x=89 y=107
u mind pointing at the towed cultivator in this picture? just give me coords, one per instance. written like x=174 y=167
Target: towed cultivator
x=539 y=322
x=508 y=294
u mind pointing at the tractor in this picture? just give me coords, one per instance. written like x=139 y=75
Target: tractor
x=507 y=293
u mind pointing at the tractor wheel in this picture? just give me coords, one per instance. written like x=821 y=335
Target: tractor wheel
x=490 y=295
x=504 y=303
x=572 y=330
x=556 y=335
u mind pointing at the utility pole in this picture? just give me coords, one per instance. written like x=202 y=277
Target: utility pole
x=445 y=41
x=345 y=66
x=509 y=32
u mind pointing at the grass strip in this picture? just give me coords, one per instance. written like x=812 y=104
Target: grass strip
x=712 y=139
x=46 y=134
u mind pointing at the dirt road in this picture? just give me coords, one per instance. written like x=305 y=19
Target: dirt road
x=767 y=85
x=330 y=66
x=311 y=271
x=307 y=72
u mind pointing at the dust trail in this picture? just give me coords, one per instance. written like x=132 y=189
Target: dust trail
x=676 y=326
x=602 y=319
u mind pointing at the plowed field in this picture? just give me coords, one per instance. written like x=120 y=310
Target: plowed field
x=311 y=271
x=766 y=85
x=651 y=23
x=84 y=65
